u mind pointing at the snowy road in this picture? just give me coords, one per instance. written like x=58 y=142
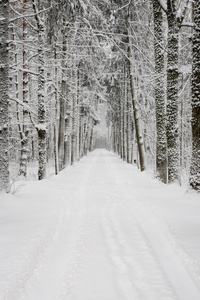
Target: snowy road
x=100 y=231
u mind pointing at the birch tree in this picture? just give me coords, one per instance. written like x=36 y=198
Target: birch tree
x=4 y=66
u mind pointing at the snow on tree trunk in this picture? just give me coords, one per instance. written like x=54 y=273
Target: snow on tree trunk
x=122 y=125
x=25 y=127
x=81 y=134
x=139 y=138
x=4 y=64
x=68 y=127
x=41 y=108
x=61 y=141
x=124 y=121
x=56 y=113
x=15 y=73
x=119 y=126
x=74 y=131
x=161 y=164
x=41 y=127
x=78 y=118
x=172 y=93
x=195 y=163
x=56 y=150
x=128 y=108
x=91 y=140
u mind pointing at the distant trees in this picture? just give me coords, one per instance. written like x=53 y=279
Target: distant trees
x=126 y=126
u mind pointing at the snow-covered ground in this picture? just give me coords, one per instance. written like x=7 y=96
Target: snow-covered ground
x=100 y=230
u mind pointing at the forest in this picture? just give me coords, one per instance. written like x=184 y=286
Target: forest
x=67 y=66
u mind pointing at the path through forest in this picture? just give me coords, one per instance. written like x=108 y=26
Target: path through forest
x=100 y=230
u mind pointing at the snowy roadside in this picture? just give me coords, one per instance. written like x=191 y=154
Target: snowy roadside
x=176 y=210
x=31 y=222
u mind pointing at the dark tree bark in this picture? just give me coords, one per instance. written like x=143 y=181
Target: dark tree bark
x=161 y=144
x=41 y=128
x=172 y=93
x=25 y=127
x=4 y=64
x=56 y=160
x=174 y=19
x=61 y=139
x=195 y=163
x=139 y=137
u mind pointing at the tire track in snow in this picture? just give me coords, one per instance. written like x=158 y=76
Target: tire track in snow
x=173 y=268
x=27 y=280
x=129 y=256
x=36 y=256
x=132 y=240
x=171 y=263
x=74 y=264
x=192 y=266
x=73 y=267
x=126 y=286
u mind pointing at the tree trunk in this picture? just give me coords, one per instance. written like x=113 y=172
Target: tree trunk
x=41 y=127
x=74 y=131
x=91 y=139
x=172 y=93
x=61 y=140
x=161 y=144
x=195 y=163
x=56 y=149
x=25 y=127
x=128 y=108
x=4 y=65
x=122 y=125
x=56 y=160
x=77 y=115
x=124 y=95
x=138 y=132
x=81 y=136
x=16 y=82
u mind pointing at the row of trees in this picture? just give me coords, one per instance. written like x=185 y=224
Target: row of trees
x=159 y=44
x=62 y=59
x=50 y=86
